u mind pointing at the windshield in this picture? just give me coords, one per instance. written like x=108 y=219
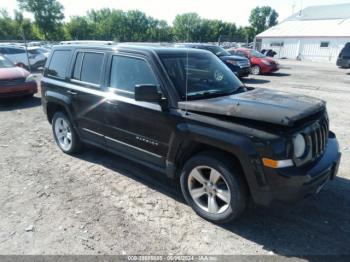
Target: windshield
x=201 y=74
x=217 y=50
x=257 y=54
x=38 y=51
x=5 y=63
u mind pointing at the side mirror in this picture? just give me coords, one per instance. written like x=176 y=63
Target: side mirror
x=19 y=64
x=147 y=93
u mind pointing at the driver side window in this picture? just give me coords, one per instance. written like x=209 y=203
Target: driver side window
x=126 y=72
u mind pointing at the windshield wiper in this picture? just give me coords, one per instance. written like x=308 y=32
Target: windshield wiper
x=210 y=93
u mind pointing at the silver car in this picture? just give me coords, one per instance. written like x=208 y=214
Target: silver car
x=17 y=54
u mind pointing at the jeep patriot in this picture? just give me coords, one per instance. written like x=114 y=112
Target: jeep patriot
x=181 y=111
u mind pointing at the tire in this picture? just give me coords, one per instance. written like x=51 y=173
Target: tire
x=65 y=136
x=229 y=192
x=256 y=70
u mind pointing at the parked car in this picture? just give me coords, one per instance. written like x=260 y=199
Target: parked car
x=239 y=66
x=260 y=63
x=269 y=52
x=344 y=57
x=181 y=111
x=15 y=81
x=17 y=54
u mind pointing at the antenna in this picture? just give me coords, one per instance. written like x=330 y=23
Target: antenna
x=188 y=36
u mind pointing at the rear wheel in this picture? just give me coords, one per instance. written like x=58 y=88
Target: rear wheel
x=214 y=187
x=256 y=70
x=64 y=133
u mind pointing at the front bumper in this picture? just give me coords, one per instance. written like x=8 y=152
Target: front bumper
x=243 y=72
x=295 y=183
x=343 y=63
x=270 y=69
x=23 y=89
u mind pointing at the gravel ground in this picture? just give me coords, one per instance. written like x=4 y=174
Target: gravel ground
x=97 y=203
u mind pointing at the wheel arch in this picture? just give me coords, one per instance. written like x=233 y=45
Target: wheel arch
x=57 y=102
x=191 y=139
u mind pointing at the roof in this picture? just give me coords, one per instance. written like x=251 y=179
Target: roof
x=322 y=12
x=144 y=48
x=314 y=21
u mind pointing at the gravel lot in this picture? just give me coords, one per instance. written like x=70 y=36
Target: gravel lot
x=97 y=203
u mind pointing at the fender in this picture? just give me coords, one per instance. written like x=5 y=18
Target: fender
x=242 y=147
x=62 y=100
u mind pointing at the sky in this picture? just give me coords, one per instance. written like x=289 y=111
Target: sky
x=226 y=10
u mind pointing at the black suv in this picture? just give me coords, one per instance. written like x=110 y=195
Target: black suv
x=240 y=66
x=344 y=57
x=183 y=112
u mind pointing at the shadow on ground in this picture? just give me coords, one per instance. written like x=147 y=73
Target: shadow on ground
x=318 y=225
x=9 y=104
x=279 y=74
x=254 y=81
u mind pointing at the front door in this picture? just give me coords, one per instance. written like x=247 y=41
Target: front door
x=137 y=129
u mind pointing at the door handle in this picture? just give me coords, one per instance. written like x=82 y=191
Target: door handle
x=110 y=105
x=72 y=92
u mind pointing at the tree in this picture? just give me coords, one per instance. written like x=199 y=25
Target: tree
x=48 y=16
x=79 y=28
x=186 y=27
x=262 y=18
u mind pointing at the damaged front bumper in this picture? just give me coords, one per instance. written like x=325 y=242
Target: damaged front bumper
x=295 y=183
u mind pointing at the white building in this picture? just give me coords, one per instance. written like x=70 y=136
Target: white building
x=316 y=33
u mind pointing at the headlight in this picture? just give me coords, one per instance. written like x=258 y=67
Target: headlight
x=232 y=62
x=266 y=62
x=299 y=145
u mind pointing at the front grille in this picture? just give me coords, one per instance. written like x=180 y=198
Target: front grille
x=12 y=82
x=318 y=138
x=244 y=63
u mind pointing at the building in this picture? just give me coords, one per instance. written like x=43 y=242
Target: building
x=316 y=33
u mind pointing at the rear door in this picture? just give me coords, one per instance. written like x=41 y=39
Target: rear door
x=86 y=92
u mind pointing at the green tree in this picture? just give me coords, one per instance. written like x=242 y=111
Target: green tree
x=262 y=18
x=8 y=30
x=48 y=16
x=187 y=27
x=79 y=28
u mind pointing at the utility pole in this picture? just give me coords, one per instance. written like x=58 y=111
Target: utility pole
x=25 y=47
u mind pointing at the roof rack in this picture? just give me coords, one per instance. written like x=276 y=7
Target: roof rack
x=87 y=42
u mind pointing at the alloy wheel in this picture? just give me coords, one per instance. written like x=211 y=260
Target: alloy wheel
x=209 y=189
x=63 y=134
x=255 y=70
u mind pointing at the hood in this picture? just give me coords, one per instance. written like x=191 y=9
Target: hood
x=233 y=57
x=261 y=105
x=13 y=73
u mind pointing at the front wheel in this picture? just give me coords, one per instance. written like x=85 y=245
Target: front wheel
x=64 y=133
x=214 y=187
x=255 y=70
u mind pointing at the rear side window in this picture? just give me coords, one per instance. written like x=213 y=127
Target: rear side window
x=59 y=63
x=15 y=51
x=126 y=72
x=77 y=66
x=88 y=67
x=3 y=50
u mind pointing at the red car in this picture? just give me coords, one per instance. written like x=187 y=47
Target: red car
x=14 y=80
x=260 y=63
